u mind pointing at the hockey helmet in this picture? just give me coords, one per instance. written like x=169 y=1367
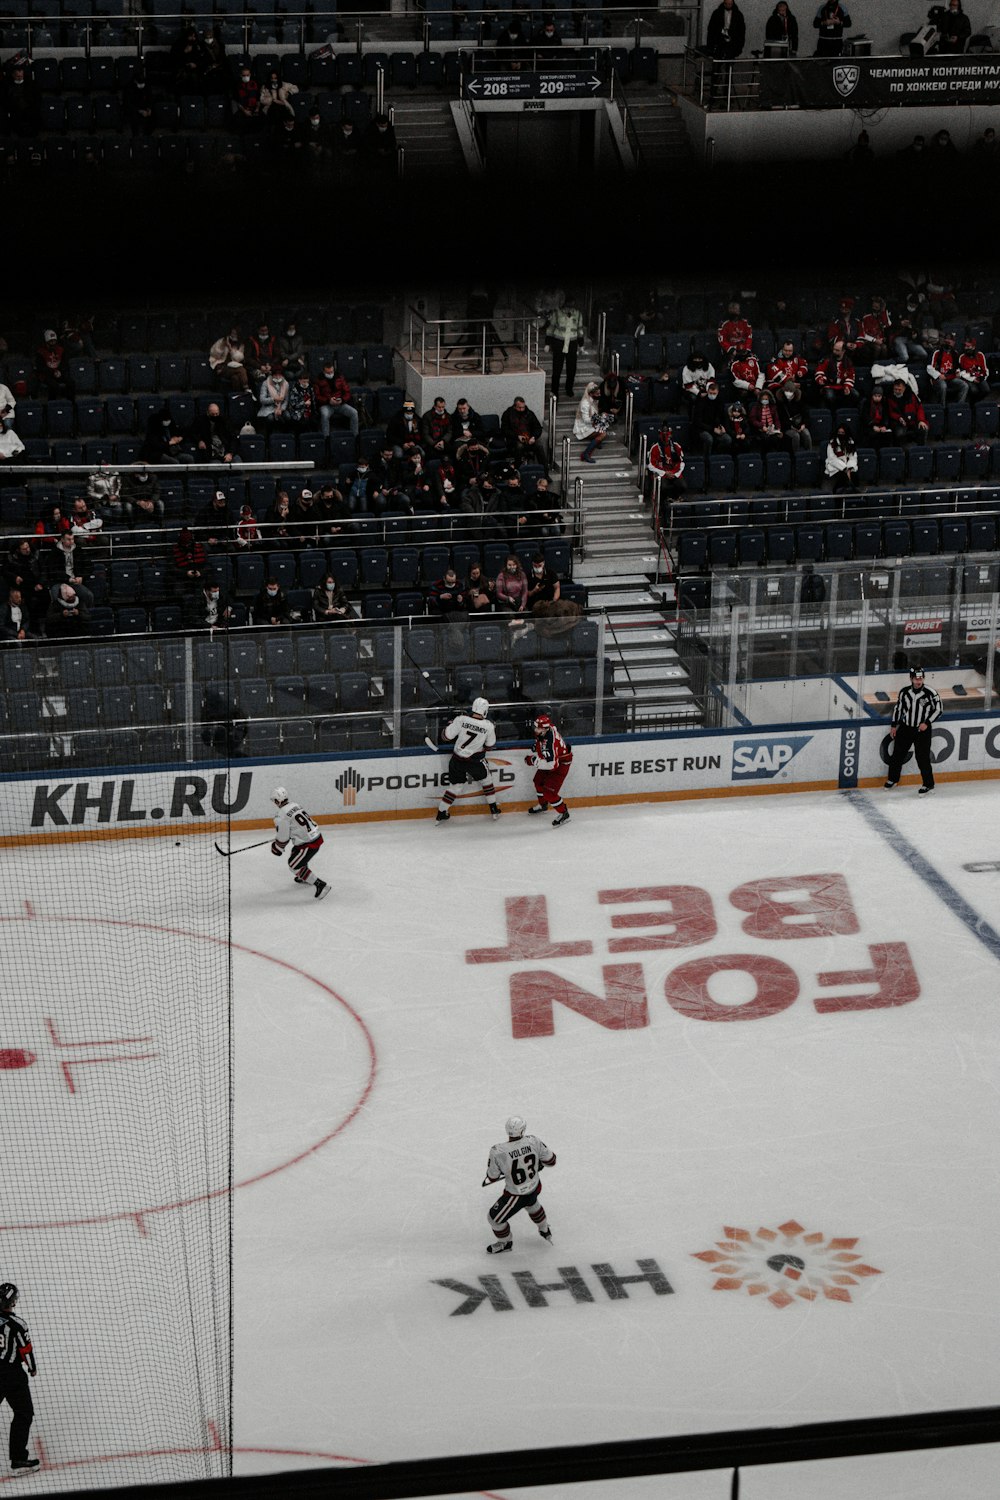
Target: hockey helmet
x=8 y=1293
x=542 y=722
x=481 y=706
x=279 y=796
x=515 y=1128
x=916 y=672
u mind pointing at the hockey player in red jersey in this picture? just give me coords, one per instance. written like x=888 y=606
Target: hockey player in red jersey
x=293 y=825
x=552 y=758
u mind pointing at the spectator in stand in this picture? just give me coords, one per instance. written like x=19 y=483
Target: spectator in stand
x=512 y=586
x=346 y=147
x=211 y=437
x=307 y=524
x=8 y=407
x=445 y=486
x=874 y=328
x=21 y=571
x=666 y=460
x=954 y=28
x=209 y=608
x=378 y=144
x=986 y=148
x=745 y=374
x=447 y=595
x=302 y=413
x=727 y=31
x=141 y=497
x=214 y=73
x=945 y=373
x=479 y=591
x=67 y=614
x=740 y=431
x=782 y=27
x=766 y=424
x=786 y=376
x=85 y=524
x=973 y=370
x=329 y=602
x=590 y=425
x=11 y=446
x=860 y=155
x=292 y=350
x=905 y=414
x=403 y=429
x=227 y=358
x=138 y=104
x=511 y=50
x=164 y=440
x=521 y=432
x=52 y=522
x=317 y=138
x=435 y=429
x=248 y=536
x=212 y=523
x=332 y=396
x=695 y=376
x=262 y=354
x=276 y=98
x=273 y=396
x=279 y=526
x=466 y=426
x=20 y=103
x=76 y=334
x=271 y=605
x=844 y=327
x=51 y=373
x=842 y=460
x=564 y=334
x=543 y=584
x=104 y=493
x=189 y=558
x=876 y=420
x=831 y=21
x=67 y=562
x=942 y=153
x=708 y=422
x=416 y=481
x=734 y=332
x=908 y=343
x=247 y=116
x=611 y=397
x=835 y=377
x=15 y=623
x=331 y=509
x=547 y=520
x=546 y=36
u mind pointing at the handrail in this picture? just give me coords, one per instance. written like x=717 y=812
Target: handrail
x=564 y=468
x=550 y=426
x=578 y=531
x=453 y=340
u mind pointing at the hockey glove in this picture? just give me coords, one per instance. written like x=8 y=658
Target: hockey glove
x=529 y=760
x=278 y=848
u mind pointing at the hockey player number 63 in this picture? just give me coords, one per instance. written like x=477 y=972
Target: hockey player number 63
x=523 y=1170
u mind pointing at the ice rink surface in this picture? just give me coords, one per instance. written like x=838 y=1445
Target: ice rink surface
x=760 y=1034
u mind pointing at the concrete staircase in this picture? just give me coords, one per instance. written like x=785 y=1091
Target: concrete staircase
x=660 y=130
x=618 y=566
x=426 y=130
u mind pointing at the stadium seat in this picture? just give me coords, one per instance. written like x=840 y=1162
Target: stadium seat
x=896 y=538
x=958 y=420
x=780 y=544
x=926 y=539
x=891 y=465
x=722 y=546
x=954 y=534
x=919 y=463
x=948 y=462
x=808 y=467
x=751 y=545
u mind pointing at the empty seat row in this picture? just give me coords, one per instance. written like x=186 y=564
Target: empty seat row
x=919 y=464
x=865 y=541
x=872 y=504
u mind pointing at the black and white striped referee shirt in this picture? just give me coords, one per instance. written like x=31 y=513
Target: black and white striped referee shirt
x=915 y=706
x=15 y=1341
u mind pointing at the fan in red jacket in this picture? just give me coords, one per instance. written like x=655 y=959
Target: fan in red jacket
x=552 y=758
x=845 y=326
x=973 y=370
x=874 y=328
x=734 y=331
x=787 y=372
x=904 y=414
x=666 y=458
x=944 y=372
x=746 y=374
x=835 y=377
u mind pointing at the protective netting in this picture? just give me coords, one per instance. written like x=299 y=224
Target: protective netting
x=116 y=1119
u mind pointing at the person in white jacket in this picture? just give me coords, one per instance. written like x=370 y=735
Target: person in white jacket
x=564 y=335
x=7 y=408
x=590 y=425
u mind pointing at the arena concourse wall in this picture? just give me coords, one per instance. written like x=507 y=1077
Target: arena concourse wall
x=350 y=788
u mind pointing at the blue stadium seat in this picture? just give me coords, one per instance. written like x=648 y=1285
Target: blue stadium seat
x=958 y=420
x=809 y=544
x=749 y=471
x=808 y=467
x=722 y=548
x=721 y=472
x=896 y=538
x=976 y=460
x=954 y=534
x=986 y=418
x=891 y=465
x=780 y=544
x=839 y=542
x=919 y=463
x=948 y=462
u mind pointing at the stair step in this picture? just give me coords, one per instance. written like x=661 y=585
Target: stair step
x=654 y=693
x=605 y=563
x=651 y=675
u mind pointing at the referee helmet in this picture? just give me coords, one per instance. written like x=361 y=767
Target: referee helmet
x=916 y=672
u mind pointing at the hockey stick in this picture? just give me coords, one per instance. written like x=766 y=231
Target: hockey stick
x=229 y=852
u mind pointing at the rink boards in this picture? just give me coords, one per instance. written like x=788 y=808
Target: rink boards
x=408 y=783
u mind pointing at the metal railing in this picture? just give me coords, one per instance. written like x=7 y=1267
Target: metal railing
x=444 y=346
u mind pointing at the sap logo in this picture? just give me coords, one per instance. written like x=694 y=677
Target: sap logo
x=763 y=760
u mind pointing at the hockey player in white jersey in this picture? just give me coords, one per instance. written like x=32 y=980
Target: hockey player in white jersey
x=293 y=825
x=516 y=1162
x=472 y=735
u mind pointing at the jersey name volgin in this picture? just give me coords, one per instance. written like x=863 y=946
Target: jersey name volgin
x=520 y=1150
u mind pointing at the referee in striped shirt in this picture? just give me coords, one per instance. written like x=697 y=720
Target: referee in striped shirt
x=916 y=709
x=17 y=1361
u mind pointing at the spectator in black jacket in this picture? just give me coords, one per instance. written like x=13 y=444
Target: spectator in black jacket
x=831 y=21
x=20 y=103
x=67 y=613
x=522 y=433
x=708 y=422
x=954 y=28
x=21 y=571
x=211 y=436
x=727 y=31
x=271 y=605
x=164 y=439
x=783 y=27
x=212 y=523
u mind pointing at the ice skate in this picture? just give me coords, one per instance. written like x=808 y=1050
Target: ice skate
x=18 y=1464
x=923 y=790
x=499 y=1246
x=538 y=808
x=562 y=818
x=495 y=810
x=322 y=889
x=546 y=1234
x=442 y=816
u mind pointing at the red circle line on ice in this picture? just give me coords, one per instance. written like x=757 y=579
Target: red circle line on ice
x=139 y=1214
x=48 y=1466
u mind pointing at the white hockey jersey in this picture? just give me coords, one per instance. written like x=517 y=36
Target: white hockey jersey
x=519 y=1163
x=472 y=736
x=293 y=822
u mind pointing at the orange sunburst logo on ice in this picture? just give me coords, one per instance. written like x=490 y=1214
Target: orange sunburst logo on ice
x=786 y=1264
